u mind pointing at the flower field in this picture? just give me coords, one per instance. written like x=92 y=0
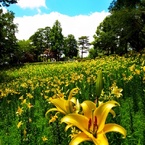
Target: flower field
x=25 y=94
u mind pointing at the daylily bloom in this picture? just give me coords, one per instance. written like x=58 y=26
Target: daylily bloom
x=24 y=101
x=65 y=106
x=19 y=124
x=92 y=123
x=143 y=68
x=29 y=105
x=19 y=111
x=53 y=118
x=117 y=91
x=44 y=138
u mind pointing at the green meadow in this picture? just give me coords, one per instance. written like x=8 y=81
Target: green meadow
x=25 y=93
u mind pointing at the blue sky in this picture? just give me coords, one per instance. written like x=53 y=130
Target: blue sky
x=67 y=7
x=77 y=17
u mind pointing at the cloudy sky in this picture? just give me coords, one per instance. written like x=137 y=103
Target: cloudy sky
x=77 y=17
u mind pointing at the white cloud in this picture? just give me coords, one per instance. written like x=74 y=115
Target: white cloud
x=31 y=3
x=81 y=25
x=4 y=9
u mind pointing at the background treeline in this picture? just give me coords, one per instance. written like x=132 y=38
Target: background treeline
x=123 y=30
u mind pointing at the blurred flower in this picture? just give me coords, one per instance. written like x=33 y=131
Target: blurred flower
x=44 y=138
x=24 y=101
x=25 y=133
x=19 y=111
x=137 y=71
x=24 y=85
x=116 y=91
x=30 y=120
x=29 y=105
x=143 y=68
x=53 y=118
x=21 y=98
x=29 y=95
x=131 y=68
x=19 y=124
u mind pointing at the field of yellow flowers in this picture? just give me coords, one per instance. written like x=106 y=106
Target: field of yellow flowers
x=25 y=94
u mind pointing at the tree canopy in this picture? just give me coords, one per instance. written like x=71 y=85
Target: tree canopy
x=70 y=46
x=8 y=40
x=123 y=29
x=7 y=3
x=83 y=43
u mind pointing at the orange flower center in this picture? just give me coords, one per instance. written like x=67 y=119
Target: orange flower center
x=92 y=126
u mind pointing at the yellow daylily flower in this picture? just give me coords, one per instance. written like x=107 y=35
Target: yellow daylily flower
x=19 y=124
x=53 y=118
x=44 y=138
x=29 y=95
x=29 y=105
x=65 y=106
x=143 y=68
x=24 y=101
x=117 y=91
x=92 y=123
x=19 y=111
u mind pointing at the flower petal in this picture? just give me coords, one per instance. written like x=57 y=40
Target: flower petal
x=79 y=121
x=55 y=109
x=102 y=112
x=101 y=139
x=60 y=104
x=88 y=107
x=114 y=127
x=81 y=137
x=113 y=113
x=68 y=126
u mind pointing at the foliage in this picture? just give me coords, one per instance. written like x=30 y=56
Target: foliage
x=93 y=53
x=123 y=29
x=41 y=40
x=8 y=43
x=56 y=40
x=70 y=44
x=7 y=3
x=83 y=43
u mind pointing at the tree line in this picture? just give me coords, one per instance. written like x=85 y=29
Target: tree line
x=123 y=30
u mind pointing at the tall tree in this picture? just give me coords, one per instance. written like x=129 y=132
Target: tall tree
x=121 y=4
x=70 y=44
x=56 y=40
x=8 y=40
x=7 y=2
x=106 y=37
x=83 y=43
x=123 y=29
x=41 y=40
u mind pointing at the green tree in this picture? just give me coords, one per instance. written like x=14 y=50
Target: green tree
x=8 y=40
x=26 y=51
x=70 y=44
x=56 y=40
x=130 y=17
x=41 y=40
x=83 y=43
x=7 y=2
x=25 y=45
x=105 y=38
x=93 y=53
x=123 y=29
